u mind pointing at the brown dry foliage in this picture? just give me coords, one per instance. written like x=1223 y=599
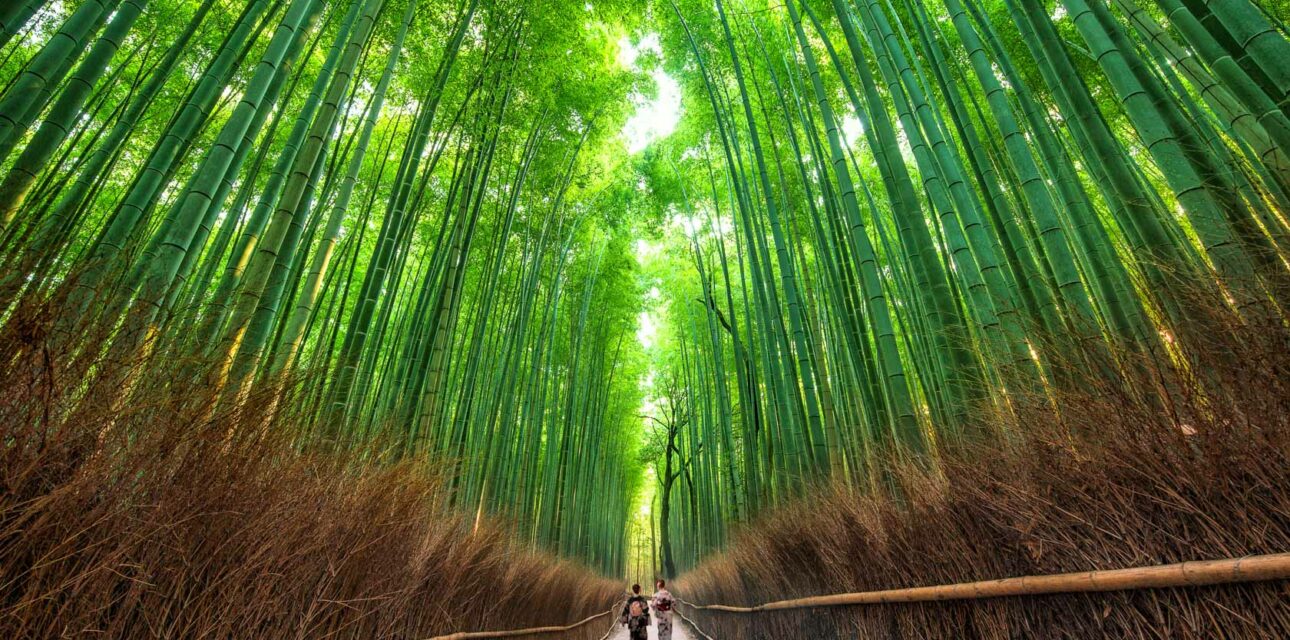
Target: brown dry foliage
x=1112 y=481
x=167 y=521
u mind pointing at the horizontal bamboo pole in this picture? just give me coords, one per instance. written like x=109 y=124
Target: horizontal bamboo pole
x=1257 y=568
x=467 y=635
x=693 y=626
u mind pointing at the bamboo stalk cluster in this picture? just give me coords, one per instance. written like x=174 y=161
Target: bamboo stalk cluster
x=389 y=201
x=904 y=221
x=908 y=220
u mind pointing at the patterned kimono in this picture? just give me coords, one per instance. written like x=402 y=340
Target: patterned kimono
x=637 y=628
x=662 y=605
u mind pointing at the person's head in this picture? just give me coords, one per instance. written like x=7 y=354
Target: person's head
x=660 y=584
x=636 y=589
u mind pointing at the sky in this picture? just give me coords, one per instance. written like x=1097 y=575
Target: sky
x=655 y=117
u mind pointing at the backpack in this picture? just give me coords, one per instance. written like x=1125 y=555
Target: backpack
x=637 y=615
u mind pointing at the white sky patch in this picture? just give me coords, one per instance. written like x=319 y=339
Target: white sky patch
x=647 y=321
x=628 y=51
x=654 y=118
x=725 y=225
x=852 y=130
x=46 y=22
x=701 y=226
x=645 y=250
x=691 y=225
x=646 y=329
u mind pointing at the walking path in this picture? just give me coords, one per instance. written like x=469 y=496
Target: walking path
x=679 y=632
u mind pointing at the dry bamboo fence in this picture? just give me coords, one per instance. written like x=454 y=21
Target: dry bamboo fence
x=1254 y=568
x=467 y=635
x=1199 y=573
x=693 y=626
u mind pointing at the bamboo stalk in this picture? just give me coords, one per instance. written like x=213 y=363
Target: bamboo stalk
x=1257 y=568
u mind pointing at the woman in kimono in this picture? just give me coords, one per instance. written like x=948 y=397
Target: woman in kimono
x=662 y=604
x=636 y=615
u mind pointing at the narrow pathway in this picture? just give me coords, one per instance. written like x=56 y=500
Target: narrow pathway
x=679 y=632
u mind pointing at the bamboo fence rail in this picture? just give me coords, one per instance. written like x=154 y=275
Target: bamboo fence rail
x=468 y=635
x=693 y=626
x=1254 y=568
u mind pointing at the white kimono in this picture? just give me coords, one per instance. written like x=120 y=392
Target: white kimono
x=662 y=605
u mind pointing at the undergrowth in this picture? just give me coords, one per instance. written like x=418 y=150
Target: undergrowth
x=168 y=519
x=1169 y=464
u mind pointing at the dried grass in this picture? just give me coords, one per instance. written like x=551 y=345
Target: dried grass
x=166 y=520
x=1116 y=479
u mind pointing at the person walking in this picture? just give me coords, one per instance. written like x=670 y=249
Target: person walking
x=636 y=615
x=662 y=604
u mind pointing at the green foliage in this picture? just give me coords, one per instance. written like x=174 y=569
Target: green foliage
x=875 y=227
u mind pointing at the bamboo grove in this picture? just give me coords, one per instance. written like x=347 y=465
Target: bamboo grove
x=395 y=200
x=890 y=222
x=878 y=224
